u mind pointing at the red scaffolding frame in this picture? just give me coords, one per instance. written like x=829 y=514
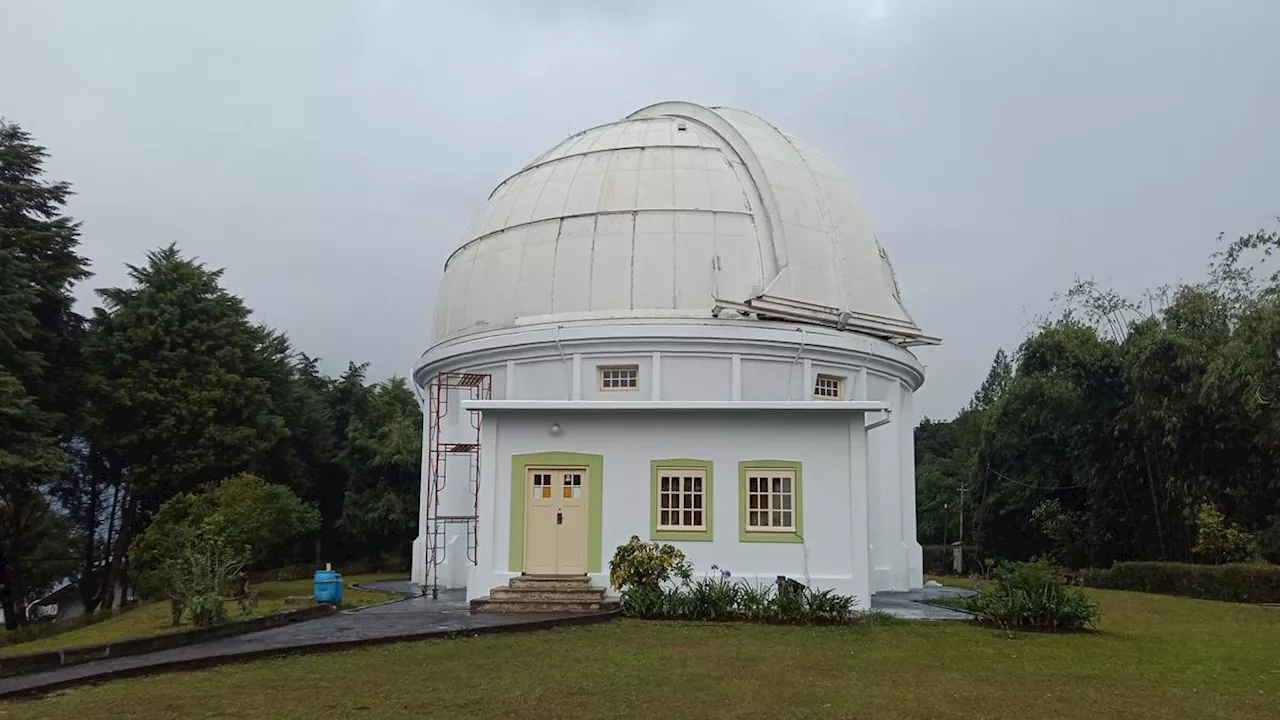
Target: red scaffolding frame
x=469 y=386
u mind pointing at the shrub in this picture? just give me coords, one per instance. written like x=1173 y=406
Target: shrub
x=713 y=599
x=1240 y=582
x=1218 y=541
x=207 y=609
x=826 y=604
x=719 y=599
x=755 y=602
x=647 y=565
x=648 y=602
x=1032 y=595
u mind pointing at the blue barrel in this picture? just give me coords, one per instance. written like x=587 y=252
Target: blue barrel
x=328 y=587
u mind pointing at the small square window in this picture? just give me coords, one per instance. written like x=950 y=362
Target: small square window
x=828 y=387
x=618 y=377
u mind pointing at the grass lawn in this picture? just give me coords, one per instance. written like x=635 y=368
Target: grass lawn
x=154 y=618
x=1154 y=657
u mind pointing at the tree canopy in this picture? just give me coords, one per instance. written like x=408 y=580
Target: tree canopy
x=1124 y=429
x=171 y=407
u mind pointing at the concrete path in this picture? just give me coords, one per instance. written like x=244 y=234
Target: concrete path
x=912 y=605
x=415 y=618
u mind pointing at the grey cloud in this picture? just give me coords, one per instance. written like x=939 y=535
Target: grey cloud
x=330 y=155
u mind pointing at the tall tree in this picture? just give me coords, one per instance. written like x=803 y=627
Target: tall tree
x=39 y=336
x=182 y=393
x=380 y=511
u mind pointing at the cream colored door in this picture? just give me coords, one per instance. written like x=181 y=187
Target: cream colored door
x=540 y=521
x=571 y=532
x=556 y=521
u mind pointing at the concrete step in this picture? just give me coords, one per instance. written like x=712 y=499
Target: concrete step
x=535 y=606
x=545 y=582
x=551 y=594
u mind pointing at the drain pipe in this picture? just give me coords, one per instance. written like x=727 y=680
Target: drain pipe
x=564 y=362
x=794 y=360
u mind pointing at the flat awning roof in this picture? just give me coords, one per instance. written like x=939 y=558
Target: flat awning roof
x=816 y=406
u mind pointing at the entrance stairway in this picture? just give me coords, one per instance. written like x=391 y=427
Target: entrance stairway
x=545 y=594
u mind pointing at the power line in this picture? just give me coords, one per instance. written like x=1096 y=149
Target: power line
x=1006 y=478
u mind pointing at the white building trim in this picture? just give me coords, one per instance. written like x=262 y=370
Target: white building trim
x=848 y=406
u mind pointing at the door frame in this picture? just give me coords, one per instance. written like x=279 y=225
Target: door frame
x=520 y=465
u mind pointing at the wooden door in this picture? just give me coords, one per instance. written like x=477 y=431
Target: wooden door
x=555 y=521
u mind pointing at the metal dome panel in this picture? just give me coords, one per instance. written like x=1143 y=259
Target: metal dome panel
x=676 y=211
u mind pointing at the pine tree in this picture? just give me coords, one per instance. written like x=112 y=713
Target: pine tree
x=182 y=387
x=39 y=336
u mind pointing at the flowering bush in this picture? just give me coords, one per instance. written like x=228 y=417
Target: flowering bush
x=647 y=565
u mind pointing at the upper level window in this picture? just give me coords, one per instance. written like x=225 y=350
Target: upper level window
x=619 y=377
x=828 y=387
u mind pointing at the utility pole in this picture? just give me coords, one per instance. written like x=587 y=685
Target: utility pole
x=962 y=490
x=946 y=520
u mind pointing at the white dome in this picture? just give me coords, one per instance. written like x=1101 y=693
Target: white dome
x=676 y=211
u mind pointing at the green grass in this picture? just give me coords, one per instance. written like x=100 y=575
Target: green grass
x=153 y=618
x=1153 y=657
x=952 y=580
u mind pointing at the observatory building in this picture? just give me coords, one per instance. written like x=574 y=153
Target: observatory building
x=678 y=326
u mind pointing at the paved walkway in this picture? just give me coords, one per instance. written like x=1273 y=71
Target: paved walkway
x=414 y=618
x=913 y=605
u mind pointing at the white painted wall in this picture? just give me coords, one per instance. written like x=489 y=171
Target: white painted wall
x=710 y=360
x=829 y=444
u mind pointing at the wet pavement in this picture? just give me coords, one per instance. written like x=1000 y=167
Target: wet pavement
x=409 y=619
x=913 y=604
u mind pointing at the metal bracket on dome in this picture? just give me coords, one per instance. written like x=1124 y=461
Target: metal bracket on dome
x=771 y=307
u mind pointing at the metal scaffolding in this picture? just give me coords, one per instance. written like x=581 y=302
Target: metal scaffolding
x=468 y=386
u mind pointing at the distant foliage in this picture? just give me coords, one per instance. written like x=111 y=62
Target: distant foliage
x=1218 y=541
x=1032 y=595
x=1124 y=429
x=647 y=565
x=1246 y=583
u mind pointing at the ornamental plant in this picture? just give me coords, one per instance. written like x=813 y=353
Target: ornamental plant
x=647 y=565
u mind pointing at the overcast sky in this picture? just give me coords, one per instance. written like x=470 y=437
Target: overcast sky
x=329 y=155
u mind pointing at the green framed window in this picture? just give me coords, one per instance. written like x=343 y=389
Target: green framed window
x=770 y=501
x=680 y=499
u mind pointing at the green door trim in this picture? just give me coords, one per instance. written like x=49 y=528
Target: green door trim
x=677 y=535
x=520 y=465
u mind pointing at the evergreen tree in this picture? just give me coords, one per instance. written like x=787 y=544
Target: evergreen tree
x=182 y=393
x=380 y=511
x=38 y=351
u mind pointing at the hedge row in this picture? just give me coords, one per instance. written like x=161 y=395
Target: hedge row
x=1248 y=583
